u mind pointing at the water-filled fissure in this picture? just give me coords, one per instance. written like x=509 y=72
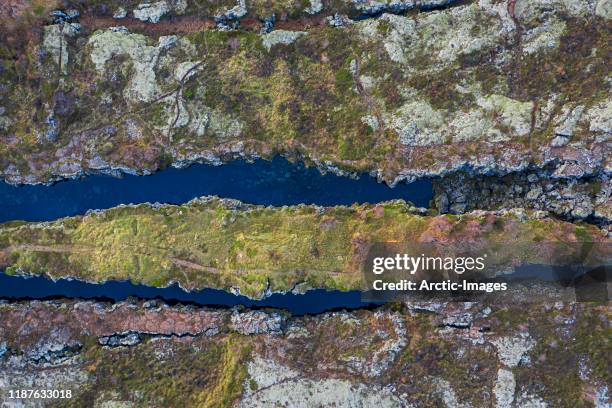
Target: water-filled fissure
x=276 y=183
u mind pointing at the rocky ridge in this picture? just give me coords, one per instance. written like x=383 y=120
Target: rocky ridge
x=502 y=356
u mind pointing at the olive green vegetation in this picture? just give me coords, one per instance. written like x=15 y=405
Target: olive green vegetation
x=285 y=97
x=213 y=243
x=585 y=348
x=210 y=376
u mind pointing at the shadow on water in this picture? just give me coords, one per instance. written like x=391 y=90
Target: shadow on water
x=277 y=182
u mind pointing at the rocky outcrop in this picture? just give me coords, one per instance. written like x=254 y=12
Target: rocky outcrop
x=273 y=38
x=122 y=339
x=257 y=322
x=151 y=12
x=582 y=199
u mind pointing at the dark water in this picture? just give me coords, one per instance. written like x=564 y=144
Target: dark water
x=277 y=182
x=312 y=302
x=589 y=285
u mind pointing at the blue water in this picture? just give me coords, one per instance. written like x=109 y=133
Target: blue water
x=277 y=182
x=591 y=285
x=312 y=302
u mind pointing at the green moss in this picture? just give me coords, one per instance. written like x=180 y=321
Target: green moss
x=11 y=270
x=349 y=149
x=344 y=80
x=596 y=187
x=209 y=374
x=39 y=10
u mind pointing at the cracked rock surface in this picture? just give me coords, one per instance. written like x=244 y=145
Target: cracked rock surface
x=506 y=354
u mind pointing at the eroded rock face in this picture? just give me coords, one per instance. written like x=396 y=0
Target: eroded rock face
x=110 y=44
x=151 y=12
x=508 y=354
x=257 y=322
x=588 y=198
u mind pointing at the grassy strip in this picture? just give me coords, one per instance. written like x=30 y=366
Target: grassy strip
x=221 y=244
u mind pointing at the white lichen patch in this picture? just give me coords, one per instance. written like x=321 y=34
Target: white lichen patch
x=509 y=113
x=108 y=44
x=472 y=125
x=418 y=124
x=223 y=126
x=504 y=388
x=238 y=11
x=498 y=10
x=266 y=373
x=510 y=350
x=151 y=12
x=120 y=13
x=316 y=6
x=371 y=121
x=604 y=9
x=5 y=122
x=543 y=37
x=199 y=122
x=445 y=35
x=447 y=393
x=167 y=41
x=285 y=37
x=133 y=129
x=401 y=28
x=599 y=118
x=55 y=44
x=531 y=12
x=276 y=385
x=186 y=70
x=602 y=400
x=529 y=401
x=458 y=32
x=451 y=33
x=179 y=6
x=199 y=119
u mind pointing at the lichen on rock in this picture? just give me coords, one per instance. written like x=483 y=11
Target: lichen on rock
x=151 y=12
x=276 y=37
x=106 y=44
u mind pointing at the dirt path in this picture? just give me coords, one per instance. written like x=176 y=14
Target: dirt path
x=66 y=249
x=191 y=24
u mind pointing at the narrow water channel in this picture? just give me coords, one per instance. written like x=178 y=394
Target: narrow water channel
x=277 y=182
x=41 y=288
